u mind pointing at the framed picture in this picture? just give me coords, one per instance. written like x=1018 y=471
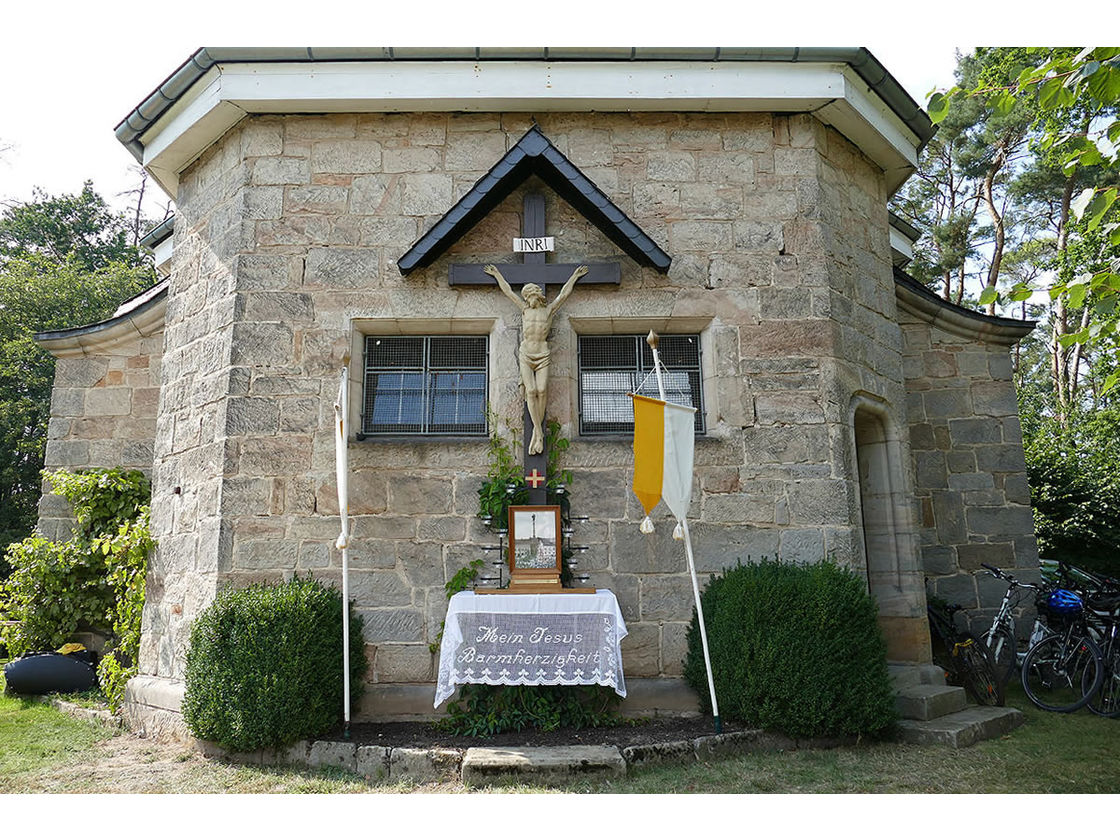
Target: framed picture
x=534 y=542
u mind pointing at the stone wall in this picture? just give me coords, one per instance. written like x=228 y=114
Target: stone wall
x=973 y=502
x=103 y=414
x=284 y=257
x=195 y=406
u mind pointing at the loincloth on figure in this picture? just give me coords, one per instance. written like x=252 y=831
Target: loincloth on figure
x=535 y=360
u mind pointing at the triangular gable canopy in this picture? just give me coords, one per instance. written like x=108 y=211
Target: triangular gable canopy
x=535 y=155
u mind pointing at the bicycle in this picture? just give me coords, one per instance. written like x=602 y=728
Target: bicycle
x=1001 y=638
x=1103 y=620
x=1101 y=595
x=966 y=660
x=1064 y=670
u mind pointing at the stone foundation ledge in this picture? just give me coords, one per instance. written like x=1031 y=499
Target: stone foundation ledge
x=102 y=716
x=419 y=764
x=153 y=708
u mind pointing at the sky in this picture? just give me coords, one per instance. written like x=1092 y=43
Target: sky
x=69 y=72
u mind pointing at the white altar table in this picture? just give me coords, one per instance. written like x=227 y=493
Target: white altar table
x=550 y=639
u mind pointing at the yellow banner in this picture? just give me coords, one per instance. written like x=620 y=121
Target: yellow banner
x=649 y=450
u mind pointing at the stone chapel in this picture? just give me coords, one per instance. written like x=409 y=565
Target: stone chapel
x=335 y=203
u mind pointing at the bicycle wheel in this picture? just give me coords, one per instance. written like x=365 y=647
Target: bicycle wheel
x=1105 y=701
x=1004 y=651
x=1061 y=673
x=978 y=673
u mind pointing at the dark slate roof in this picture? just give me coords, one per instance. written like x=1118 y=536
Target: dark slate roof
x=901 y=278
x=533 y=154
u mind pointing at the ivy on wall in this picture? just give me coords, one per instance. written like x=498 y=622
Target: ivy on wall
x=95 y=579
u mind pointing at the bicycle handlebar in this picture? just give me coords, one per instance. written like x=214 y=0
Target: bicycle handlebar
x=998 y=573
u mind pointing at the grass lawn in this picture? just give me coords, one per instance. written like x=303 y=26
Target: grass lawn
x=43 y=750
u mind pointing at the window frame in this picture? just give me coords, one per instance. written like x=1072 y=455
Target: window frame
x=426 y=371
x=697 y=386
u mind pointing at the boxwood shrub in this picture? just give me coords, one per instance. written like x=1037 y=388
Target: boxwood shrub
x=264 y=667
x=794 y=649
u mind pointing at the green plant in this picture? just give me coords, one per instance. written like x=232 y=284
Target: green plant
x=264 y=667
x=1074 y=476
x=459 y=582
x=794 y=649
x=484 y=709
x=102 y=500
x=52 y=590
x=127 y=556
x=95 y=578
x=489 y=709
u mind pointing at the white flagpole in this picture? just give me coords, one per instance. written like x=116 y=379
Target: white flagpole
x=342 y=436
x=652 y=340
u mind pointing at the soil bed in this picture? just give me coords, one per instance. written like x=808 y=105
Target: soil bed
x=654 y=731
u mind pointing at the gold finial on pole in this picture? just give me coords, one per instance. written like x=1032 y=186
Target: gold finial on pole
x=653 y=339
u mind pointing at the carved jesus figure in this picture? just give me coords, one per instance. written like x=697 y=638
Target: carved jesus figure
x=533 y=355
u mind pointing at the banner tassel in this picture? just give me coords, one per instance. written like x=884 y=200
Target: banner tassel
x=647 y=526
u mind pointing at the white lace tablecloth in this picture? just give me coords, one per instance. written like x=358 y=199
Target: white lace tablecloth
x=531 y=640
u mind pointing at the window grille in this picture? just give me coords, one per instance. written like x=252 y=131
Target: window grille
x=613 y=366
x=425 y=385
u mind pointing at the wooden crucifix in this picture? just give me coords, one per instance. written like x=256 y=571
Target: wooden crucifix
x=533 y=358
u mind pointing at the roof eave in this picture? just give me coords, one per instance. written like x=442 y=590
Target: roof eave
x=216 y=87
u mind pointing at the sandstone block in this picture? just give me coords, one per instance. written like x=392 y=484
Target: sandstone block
x=656 y=199
x=641 y=650
x=420 y=495
x=372 y=762
x=801 y=545
x=994 y=398
x=425 y=194
x=644 y=553
x=423 y=765
x=352 y=157
x=1000 y=555
x=299 y=414
x=948 y=511
x=947 y=403
x=1002 y=521
x=726 y=168
x=250 y=416
x=410 y=159
x=400 y=625
x=666 y=598
x=404 y=663
x=251 y=555
x=332 y=754
x=316 y=199
x=474 y=151
x=1000 y=458
x=371 y=194
x=788 y=407
x=703 y=236
x=342 y=268
x=718 y=547
x=671 y=166
x=281 y=170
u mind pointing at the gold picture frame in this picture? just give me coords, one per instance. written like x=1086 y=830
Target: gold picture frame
x=535 y=550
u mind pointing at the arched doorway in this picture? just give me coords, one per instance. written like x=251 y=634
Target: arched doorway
x=891 y=563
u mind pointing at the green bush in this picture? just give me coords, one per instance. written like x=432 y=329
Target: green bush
x=264 y=667
x=1074 y=476
x=794 y=649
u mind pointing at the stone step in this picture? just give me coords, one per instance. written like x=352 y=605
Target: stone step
x=904 y=675
x=926 y=702
x=484 y=765
x=961 y=729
